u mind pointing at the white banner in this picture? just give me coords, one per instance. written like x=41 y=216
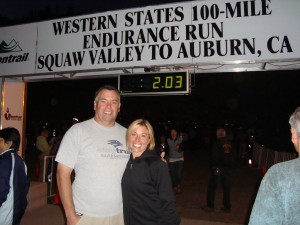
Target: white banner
x=13 y=107
x=197 y=32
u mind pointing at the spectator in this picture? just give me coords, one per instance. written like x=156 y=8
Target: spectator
x=44 y=148
x=278 y=197
x=220 y=164
x=163 y=147
x=14 y=183
x=176 y=159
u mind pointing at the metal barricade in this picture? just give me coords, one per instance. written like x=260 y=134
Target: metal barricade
x=265 y=157
x=48 y=174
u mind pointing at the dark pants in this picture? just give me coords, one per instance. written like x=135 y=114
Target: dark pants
x=223 y=178
x=176 y=171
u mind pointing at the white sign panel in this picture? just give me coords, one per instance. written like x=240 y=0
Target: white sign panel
x=18 y=49
x=12 y=107
x=196 y=32
x=182 y=33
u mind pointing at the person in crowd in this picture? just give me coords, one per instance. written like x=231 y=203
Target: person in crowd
x=96 y=150
x=148 y=198
x=278 y=197
x=243 y=140
x=176 y=159
x=221 y=162
x=44 y=148
x=162 y=147
x=14 y=183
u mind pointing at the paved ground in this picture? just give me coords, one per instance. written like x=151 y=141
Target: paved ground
x=244 y=187
x=244 y=182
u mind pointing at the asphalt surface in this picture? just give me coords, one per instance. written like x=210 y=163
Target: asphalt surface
x=244 y=184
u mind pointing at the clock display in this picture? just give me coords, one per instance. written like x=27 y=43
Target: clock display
x=154 y=83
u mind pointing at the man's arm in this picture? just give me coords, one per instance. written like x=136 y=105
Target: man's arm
x=65 y=191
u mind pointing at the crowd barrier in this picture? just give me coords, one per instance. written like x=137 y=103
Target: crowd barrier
x=48 y=174
x=264 y=157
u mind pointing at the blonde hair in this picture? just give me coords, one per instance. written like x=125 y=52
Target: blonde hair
x=143 y=123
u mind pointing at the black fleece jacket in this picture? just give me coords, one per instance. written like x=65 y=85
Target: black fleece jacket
x=148 y=198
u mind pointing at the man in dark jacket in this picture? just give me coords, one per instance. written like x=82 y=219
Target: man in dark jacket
x=220 y=165
x=14 y=183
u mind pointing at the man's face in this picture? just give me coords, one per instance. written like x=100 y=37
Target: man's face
x=106 y=106
x=295 y=139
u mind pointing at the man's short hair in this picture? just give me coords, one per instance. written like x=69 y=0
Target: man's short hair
x=294 y=121
x=106 y=87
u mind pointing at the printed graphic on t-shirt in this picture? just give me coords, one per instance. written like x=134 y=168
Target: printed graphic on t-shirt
x=227 y=148
x=116 y=152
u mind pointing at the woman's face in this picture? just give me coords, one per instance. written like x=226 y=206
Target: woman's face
x=138 y=140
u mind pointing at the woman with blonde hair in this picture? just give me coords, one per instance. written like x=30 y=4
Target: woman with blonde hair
x=148 y=198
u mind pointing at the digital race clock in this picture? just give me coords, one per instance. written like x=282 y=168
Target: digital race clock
x=169 y=83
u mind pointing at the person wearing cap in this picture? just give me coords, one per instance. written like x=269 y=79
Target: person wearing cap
x=14 y=183
x=278 y=197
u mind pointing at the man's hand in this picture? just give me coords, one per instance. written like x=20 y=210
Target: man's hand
x=73 y=220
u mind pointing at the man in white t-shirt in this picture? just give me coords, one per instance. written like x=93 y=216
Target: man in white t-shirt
x=96 y=150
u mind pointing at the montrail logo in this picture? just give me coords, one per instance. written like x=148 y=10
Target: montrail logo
x=8 y=116
x=12 y=47
x=117 y=145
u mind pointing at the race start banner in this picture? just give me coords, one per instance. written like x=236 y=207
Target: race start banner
x=187 y=33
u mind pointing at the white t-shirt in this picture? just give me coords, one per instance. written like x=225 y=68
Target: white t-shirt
x=98 y=155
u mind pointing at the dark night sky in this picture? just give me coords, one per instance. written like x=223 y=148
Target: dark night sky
x=261 y=100
x=20 y=8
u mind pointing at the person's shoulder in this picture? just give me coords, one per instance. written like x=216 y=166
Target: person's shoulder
x=82 y=124
x=6 y=155
x=17 y=156
x=39 y=138
x=288 y=165
x=119 y=126
x=85 y=122
x=283 y=172
x=19 y=160
x=151 y=157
